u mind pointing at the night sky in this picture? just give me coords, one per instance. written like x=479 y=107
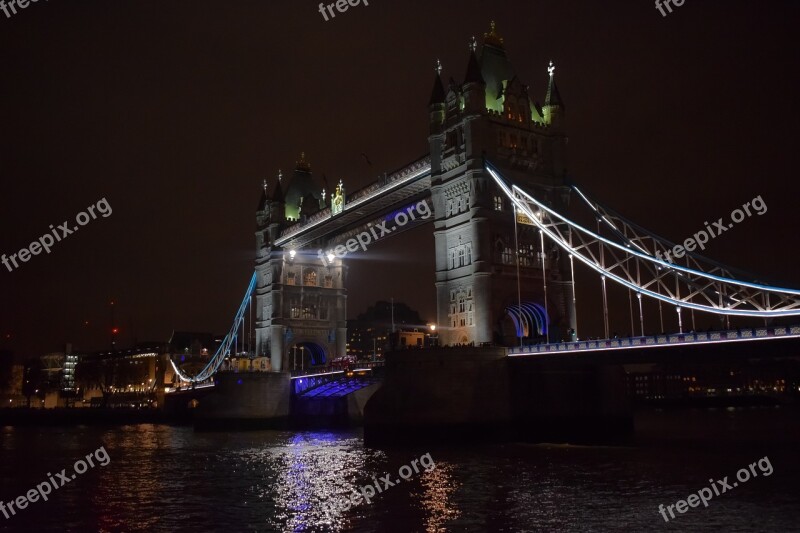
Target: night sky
x=175 y=111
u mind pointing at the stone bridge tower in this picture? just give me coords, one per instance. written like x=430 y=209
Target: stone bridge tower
x=300 y=298
x=493 y=115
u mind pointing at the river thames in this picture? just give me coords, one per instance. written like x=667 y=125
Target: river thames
x=168 y=478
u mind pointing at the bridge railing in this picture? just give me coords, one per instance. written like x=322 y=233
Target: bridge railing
x=656 y=340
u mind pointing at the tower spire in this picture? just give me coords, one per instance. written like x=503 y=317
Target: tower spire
x=262 y=202
x=553 y=97
x=278 y=194
x=303 y=164
x=437 y=94
x=473 y=68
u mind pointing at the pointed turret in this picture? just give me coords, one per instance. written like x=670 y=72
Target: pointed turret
x=473 y=68
x=553 y=97
x=436 y=104
x=262 y=202
x=437 y=95
x=269 y=217
x=553 y=105
x=474 y=85
x=277 y=195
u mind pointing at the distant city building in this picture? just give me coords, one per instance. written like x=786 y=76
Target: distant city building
x=652 y=382
x=656 y=382
x=370 y=335
x=11 y=380
x=122 y=377
x=68 y=373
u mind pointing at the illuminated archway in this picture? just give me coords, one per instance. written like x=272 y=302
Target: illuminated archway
x=529 y=319
x=311 y=353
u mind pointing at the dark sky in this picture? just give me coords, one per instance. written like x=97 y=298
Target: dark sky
x=174 y=111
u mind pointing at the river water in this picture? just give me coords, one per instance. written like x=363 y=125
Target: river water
x=167 y=478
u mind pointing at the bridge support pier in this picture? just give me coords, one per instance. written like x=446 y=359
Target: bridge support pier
x=473 y=394
x=252 y=400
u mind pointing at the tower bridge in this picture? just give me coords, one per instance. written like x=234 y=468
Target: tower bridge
x=506 y=246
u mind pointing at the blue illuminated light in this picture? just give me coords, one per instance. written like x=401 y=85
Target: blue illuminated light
x=225 y=347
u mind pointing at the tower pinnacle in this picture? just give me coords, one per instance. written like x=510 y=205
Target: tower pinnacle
x=303 y=164
x=492 y=37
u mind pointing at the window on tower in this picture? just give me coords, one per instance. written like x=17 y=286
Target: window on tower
x=508 y=256
x=498 y=203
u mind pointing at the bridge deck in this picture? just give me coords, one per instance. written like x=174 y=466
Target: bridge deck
x=659 y=341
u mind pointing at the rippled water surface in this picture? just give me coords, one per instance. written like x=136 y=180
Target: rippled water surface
x=164 y=478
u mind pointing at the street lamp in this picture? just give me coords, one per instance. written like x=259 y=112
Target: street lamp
x=433 y=336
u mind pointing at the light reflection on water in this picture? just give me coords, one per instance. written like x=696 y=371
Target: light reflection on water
x=311 y=469
x=164 y=478
x=436 y=497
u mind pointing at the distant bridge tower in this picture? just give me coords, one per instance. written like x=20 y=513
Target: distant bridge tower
x=492 y=114
x=300 y=297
